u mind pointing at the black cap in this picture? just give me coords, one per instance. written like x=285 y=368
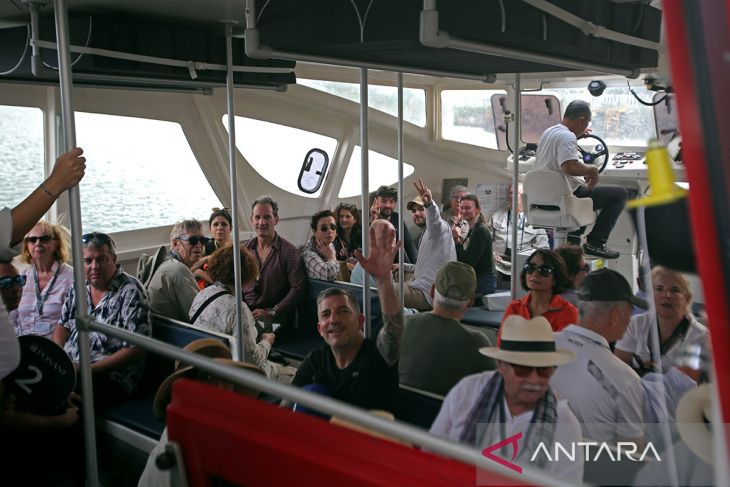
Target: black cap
x=386 y=192
x=608 y=285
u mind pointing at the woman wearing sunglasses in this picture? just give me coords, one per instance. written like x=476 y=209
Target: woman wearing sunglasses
x=349 y=233
x=544 y=277
x=48 y=278
x=319 y=255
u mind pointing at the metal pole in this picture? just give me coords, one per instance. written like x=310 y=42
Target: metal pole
x=234 y=189
x=515 y=181
x=401 y=193
x=364 y=187
x=69 y=132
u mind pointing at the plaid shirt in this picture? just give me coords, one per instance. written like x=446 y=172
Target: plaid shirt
x=125 y=305
x=282 y=281
x=317 y=267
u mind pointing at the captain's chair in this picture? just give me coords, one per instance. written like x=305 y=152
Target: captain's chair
x=549 y=203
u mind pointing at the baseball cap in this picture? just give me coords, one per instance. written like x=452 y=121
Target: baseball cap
x=456 y=280
x=608 y=285
x=415 y=201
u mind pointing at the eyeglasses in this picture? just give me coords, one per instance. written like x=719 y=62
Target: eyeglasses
x=347 y=206
x=194 y=239
x=324 y=228
x=544 y=270
x=523 y=371
x=8 y=282
x=219 y=209
x=41 y=238
x=98 y=237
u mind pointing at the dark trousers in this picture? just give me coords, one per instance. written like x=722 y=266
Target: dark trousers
x=611 y=201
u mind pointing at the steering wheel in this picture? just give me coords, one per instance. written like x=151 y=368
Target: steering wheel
x=593 y=157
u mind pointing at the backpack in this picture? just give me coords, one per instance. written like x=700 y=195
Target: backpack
x=148 y=265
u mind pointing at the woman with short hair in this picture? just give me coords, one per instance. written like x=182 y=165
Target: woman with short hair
x=677 y=327
x=544 y=277
x=48 y=279
x=214 y=308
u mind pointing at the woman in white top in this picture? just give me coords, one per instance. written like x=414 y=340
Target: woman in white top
x=677 y=327
x=48 y=278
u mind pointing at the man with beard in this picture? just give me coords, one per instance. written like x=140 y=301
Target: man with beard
x=418 y=213
x=516 y=400
x=384 y=207
x=436 y=249
x=282 y=280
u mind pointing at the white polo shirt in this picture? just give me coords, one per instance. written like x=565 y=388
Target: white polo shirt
x=636 y=340
x=604 y=393
x=557 y=145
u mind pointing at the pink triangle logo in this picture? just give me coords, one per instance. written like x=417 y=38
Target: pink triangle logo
x=512 y=440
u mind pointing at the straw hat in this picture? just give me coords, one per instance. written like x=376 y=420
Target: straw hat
x=387 y=415
x=694 y=411
x=528 y=342
x=210 y=348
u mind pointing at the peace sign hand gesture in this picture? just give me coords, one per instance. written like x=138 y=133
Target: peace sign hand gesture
x=423 y=191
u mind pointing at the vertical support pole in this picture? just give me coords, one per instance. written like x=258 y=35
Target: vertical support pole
x=69 y=133
x=401 y=193
x=515 y=181
x=364 y=187
x=234 y=189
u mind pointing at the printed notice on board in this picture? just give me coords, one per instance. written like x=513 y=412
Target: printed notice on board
x=491 y=197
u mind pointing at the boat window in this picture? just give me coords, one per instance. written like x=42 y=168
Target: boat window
x=21 y=153
x=383 y=171
x=618 y=118
x=466 y=116
x=383 y=98
x=140 y=173
x=276 y=151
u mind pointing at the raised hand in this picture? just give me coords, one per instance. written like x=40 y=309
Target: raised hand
x=383 y=248
x=327 y=251
x=423 y=191
x=67 y=172
x=374 y=210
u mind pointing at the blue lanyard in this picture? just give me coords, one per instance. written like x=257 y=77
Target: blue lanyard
x=41 y=300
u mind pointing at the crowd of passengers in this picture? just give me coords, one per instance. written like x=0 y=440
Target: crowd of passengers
x=573 y=359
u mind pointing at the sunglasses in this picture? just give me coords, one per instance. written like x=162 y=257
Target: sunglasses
x=544 y=270
x=324 y=228
x=195 y=239
x=98 y=237
x=42 y=238
x=8 y=282
x=523 y=371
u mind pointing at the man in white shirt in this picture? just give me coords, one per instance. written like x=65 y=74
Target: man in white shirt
x=515 y=404
x=557 y=150
x=604 y=393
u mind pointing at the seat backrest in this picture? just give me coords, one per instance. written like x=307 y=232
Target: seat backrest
x=544 y=188
x=549 y=202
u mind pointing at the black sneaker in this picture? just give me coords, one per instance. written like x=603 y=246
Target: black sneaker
x=600 y=251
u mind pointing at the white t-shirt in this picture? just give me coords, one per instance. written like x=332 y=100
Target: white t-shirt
x=452 y=418
x=556 y=146
x=9 y=348
x=636 y=340
x=604 y=393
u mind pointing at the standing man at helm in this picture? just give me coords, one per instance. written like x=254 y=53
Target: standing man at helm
x=557 y=150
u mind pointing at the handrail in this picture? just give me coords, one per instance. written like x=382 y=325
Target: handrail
x=333 y=407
